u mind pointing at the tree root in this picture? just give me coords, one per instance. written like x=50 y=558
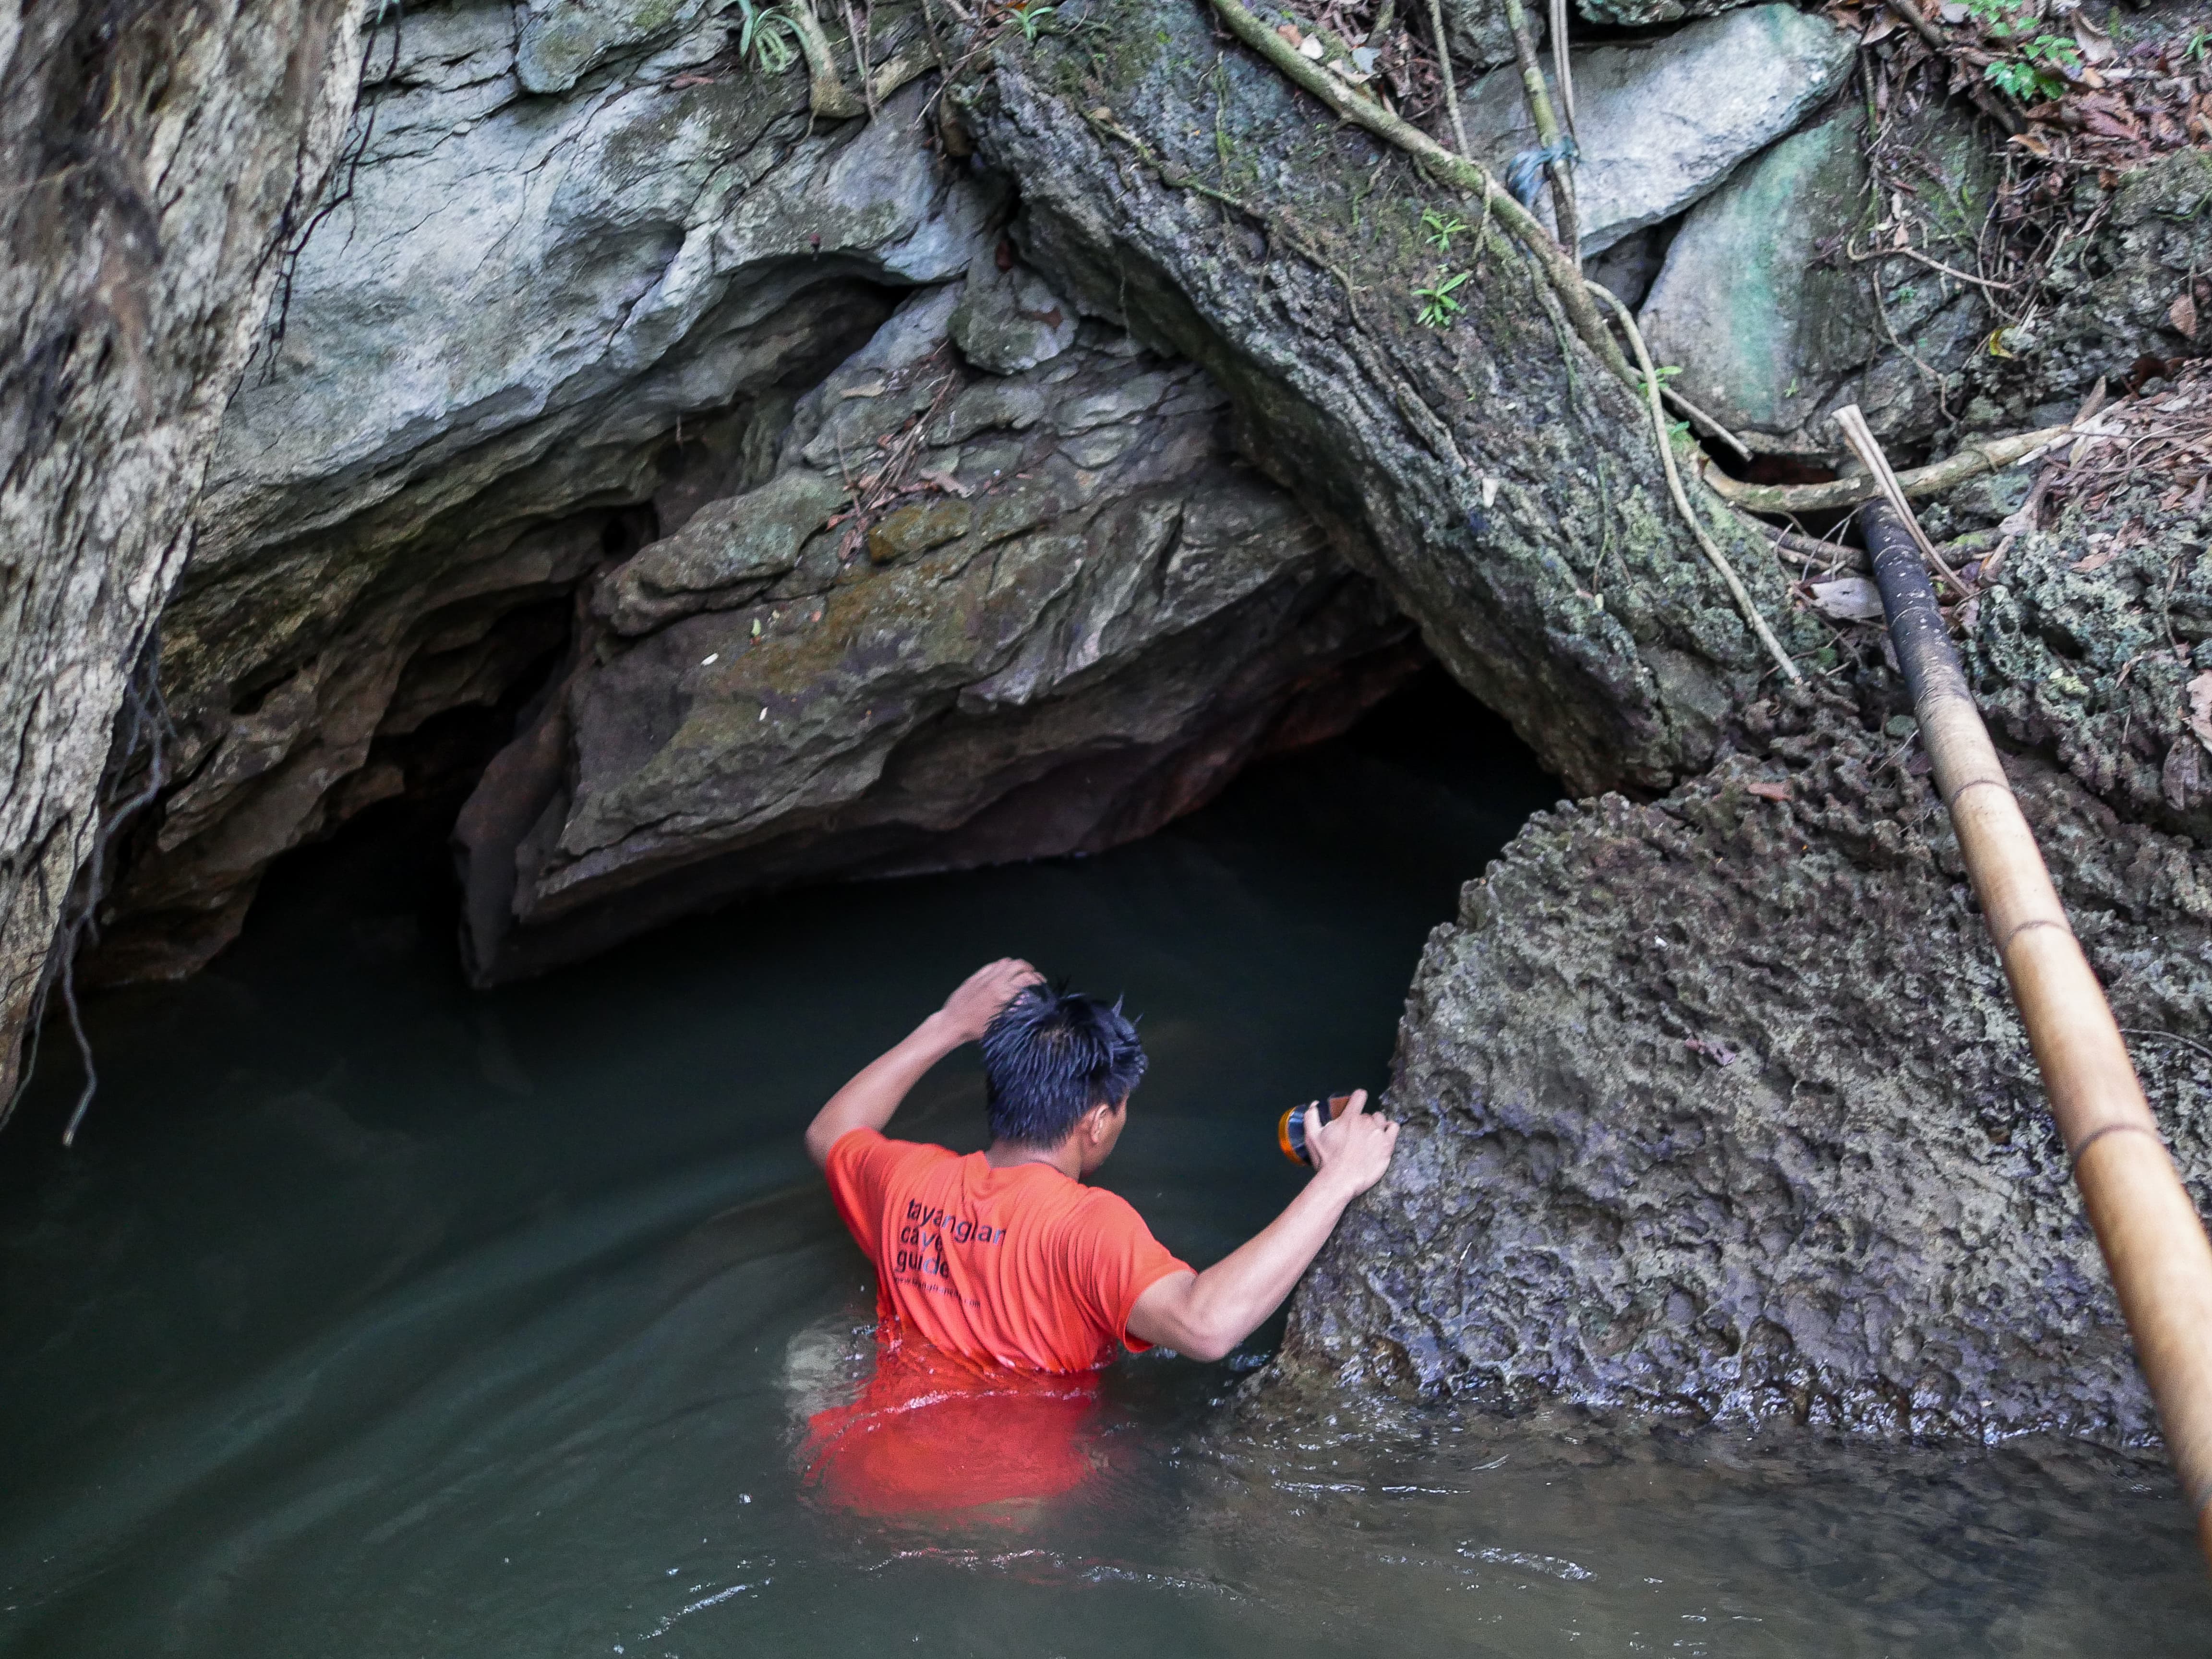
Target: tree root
x=1463 y=173
x=1969 y=463
x=827 y=94
x=1711 y=549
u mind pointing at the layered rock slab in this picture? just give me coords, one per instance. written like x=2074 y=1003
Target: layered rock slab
x=1779 y=312
x=1501 y=487
x=1078 y=619
x=529 y=325
x=1719 y=1106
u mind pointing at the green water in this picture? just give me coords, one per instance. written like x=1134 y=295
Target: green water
x=373 y=1317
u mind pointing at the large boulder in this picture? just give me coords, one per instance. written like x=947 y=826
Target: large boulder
x=1719 y=1107
x=1501 y=486
x=1662 y=122
x=1063 y=614
x=1777 y=306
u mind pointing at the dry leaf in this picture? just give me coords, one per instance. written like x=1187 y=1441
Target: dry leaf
x=2095 y=562
x=2182 y=313
x=1289 y=32
x=945 y=482
x=2096 y=44
x=2200 y=708
x=1848 y=599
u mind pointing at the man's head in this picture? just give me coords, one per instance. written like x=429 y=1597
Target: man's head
x=1058 y=1062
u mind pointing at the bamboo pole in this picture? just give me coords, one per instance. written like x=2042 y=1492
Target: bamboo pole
x=2152 y=1237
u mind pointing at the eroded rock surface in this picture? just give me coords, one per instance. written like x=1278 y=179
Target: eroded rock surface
x=1077 y=621
x=1502 y=488
x=1720 y=1106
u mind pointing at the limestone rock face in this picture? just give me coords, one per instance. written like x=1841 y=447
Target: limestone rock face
x=2086 y=647
x=1662 y=121
x=1008 y=320
x=1776 y=325
x=1719 y=1106
x=153 y=162
x=532 y=331
x=1066 y=615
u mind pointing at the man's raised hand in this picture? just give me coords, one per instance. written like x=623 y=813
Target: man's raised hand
x=971 y=1009
x=1355 y=1148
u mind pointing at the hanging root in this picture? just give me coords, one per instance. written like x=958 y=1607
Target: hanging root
x=146 y=722
x=1462 y=171
x=827 y=94
x=1713 y=553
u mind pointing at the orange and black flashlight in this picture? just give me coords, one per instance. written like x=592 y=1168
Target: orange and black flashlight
x=1291 y=1130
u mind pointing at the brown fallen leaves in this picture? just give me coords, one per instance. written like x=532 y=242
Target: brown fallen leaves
x=2161 y=435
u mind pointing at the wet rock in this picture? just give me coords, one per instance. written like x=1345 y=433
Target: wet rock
x=1719 y=1107
x=1008 y=320
x=1662 y=121
x=1777 y=323
x=1080 y=618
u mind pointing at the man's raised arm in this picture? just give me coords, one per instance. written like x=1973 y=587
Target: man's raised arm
x=868 y=1101
x=1206 y=1314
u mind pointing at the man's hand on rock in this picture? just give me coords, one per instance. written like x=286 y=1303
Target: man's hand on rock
x=1354 y=1149
x=970 y=1010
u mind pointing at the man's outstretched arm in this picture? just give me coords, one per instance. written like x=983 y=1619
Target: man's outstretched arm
x=868 y=1101
x=1206 y=1314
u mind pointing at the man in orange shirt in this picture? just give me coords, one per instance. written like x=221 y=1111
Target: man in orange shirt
x=1005 y=1256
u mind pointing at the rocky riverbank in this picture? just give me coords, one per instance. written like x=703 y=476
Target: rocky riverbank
x=709 y=477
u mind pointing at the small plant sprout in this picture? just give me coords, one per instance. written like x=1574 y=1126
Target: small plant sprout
x=2037 y=67
x=1439 y=305
x=1035 y=18
x=767 y=37
x=1441 y=229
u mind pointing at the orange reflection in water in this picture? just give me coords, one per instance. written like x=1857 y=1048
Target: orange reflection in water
x=932 y=1432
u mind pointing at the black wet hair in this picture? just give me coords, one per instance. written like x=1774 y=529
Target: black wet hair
x=1051 y=1055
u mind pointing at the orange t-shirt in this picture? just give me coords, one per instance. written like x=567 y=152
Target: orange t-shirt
x=1020 y=1266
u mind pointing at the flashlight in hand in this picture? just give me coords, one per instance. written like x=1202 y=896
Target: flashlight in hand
x=1291 y=1129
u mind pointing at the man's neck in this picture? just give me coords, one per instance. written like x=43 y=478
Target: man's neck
x=1066 y=1158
